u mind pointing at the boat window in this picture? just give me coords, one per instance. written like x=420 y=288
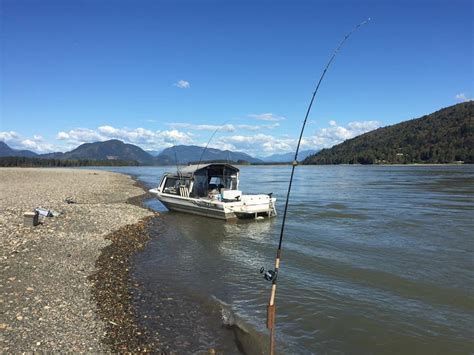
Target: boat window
x=176 y=186
x=171 y=186
x=215 y=182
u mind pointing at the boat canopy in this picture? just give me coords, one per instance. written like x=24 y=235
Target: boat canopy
x=209 y=169
x=202 y=180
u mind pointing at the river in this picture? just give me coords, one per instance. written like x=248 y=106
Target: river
x=376 y=259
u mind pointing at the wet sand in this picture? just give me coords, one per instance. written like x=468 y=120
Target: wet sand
x=65 y=284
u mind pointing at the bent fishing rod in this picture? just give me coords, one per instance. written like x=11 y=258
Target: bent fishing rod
x=271 y=275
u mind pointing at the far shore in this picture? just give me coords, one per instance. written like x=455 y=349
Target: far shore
x=54 y=275
x=106 y=164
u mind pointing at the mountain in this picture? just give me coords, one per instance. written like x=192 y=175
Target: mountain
x=288 y=157
x=55 y=155
x=109 y=150
x=445 y=136
x=153 y=152
x=117 y=150
x=192 y=153
x=6 y=151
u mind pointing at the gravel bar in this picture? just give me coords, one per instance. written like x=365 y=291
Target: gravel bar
x=65 y=284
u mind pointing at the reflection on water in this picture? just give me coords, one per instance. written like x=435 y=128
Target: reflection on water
x=375 y=260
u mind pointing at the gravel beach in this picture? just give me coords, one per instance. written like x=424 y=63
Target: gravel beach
x=52 y=294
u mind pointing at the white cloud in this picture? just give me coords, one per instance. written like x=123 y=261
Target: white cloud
x=183 y=84
x=36 y=144
x=334 y=134
x=9 y=136
x=203 y=127
x=266 y=117
x=62 y=136
x=256 y=145
x=239 y=137
x=359 y=127
x=265 y=144
x=136 y=135
x=462 y=97
x=223 y=128
x=80 y=135
x=145 y=138
x=29 y=144
x=175 y=136
x=258 y=127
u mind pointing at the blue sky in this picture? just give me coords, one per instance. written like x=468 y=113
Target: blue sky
x=159 y=73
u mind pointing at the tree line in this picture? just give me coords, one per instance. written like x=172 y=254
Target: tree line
x=40 y=162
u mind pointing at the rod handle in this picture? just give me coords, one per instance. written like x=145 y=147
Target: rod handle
x=271 y=316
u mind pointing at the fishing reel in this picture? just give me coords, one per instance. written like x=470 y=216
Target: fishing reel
x=269 y=275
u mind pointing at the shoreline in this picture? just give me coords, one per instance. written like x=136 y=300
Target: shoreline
x=113 y=285
x=112 y=290
x=55 y=275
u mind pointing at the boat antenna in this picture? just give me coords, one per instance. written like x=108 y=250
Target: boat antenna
x=271 y=275
x=209 y=141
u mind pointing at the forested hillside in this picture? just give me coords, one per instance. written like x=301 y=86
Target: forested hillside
x=445 y=136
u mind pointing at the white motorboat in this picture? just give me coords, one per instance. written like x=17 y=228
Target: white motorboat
x=212 y=190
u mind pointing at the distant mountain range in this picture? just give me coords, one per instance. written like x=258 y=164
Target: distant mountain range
x=153 y=152
x=288 y=157
x=117 y=150
x=445 y=136
x=184 y=154
x=6 y=151
x=109 y=150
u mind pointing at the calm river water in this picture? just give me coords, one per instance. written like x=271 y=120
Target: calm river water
x=376 y=259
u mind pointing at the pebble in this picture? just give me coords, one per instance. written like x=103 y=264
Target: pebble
x=54 y=258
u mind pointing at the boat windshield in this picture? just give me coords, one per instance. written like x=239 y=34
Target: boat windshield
x=208 y=181
x=176 y=186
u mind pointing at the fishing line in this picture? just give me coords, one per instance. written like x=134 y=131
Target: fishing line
x=209 y=141
x=272 y=275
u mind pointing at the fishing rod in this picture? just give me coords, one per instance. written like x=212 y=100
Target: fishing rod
x=271 y=275
x=176 y=161
x=209 y=141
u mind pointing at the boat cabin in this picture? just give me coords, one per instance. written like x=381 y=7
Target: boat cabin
x=214 y=181
x=212 y=190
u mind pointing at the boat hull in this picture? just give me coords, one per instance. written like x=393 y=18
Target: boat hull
x=217 y=209
x=198 y=210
